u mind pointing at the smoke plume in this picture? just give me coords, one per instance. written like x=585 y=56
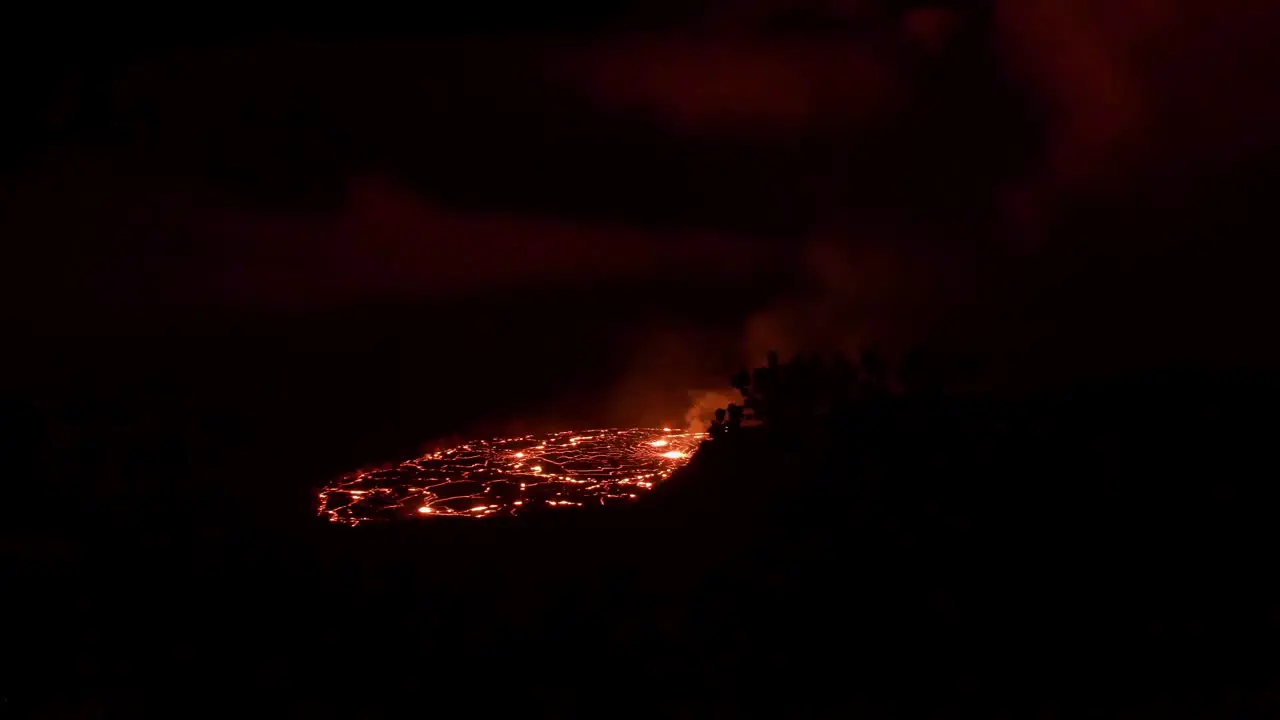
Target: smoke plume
x=704 y=404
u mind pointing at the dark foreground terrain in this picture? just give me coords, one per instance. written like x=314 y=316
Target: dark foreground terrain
x=1101 y=551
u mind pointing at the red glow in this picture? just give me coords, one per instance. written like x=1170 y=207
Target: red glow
x=506 y=476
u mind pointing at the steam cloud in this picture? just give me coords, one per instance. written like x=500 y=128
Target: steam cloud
x=704 y=405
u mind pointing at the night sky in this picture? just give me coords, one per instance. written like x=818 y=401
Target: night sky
x=1050 y=184
x=252 y=251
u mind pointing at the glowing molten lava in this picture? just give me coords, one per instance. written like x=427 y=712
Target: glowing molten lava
x=509 y=476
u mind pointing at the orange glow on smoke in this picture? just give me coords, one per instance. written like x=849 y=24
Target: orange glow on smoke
x=489 y=478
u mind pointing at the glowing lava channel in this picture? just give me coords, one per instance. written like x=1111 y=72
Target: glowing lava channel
x=509 y=476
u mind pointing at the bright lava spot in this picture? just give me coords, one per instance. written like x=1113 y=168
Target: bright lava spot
x=489 y=478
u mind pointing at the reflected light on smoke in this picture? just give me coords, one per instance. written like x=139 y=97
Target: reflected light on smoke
x=704 y=405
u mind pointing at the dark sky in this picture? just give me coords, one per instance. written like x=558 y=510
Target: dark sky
x=1043 y=179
